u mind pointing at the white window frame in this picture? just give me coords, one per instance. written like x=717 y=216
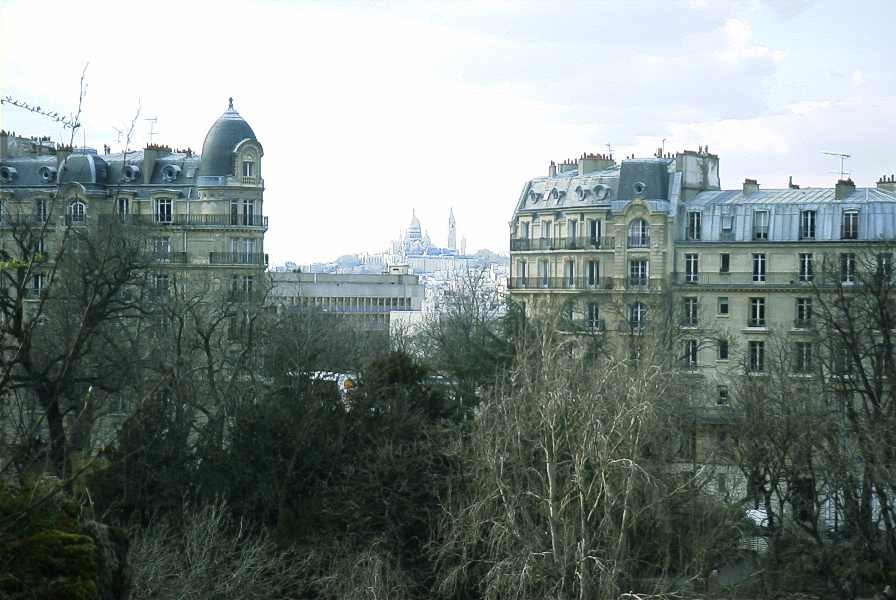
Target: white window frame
x=694 y=225
x=847 y=268
x=639 y=272
x=692 y=267
x=760 y=267
x=77 y=212
x=639 y=234
x=756 y=355
x=163 y=210
x=849 y=229
x=761 y=220
x=757 y=312
x=806 y=268
x=808 y=220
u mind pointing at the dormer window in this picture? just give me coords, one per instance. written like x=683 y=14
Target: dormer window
x=248 y=168
x=849 y=229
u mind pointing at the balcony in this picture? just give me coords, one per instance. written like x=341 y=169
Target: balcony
x=173 y=258
x=560 y=283
x=639 y=241
x=562 y=243
x=739 y=279
x=15 y=220
x=237 y=258
x=226 y=220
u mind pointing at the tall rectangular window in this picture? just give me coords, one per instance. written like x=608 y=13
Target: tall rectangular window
x=757 y=312
x=546 y=229
x=722 y=398
x=241 y=287
x=593 y=272
x=124 y=208
x=724 y=263
x=38 y=282
x=690 y=354
x=807 y=272
x=756 y=359
x=849 y=229
x=690 y=312
x=722 y=345
x=543 y=273
x=759 y=265
x=161 y=248
x=594 y=230
x=694 y=225
x=760 y=224
x=242 y=212
x=691 y=267
x=163 y=210
x=638 y=273
x=848 y=267
x=593 y=315
x=807 y=225
x=803 y=357
x=569 y=273
x=524 y=227
x=803 y=312
x=522 y=270
x=885 y=266
x=40 y=210
x=248 y=168
x=572 y=229
x=160 y=284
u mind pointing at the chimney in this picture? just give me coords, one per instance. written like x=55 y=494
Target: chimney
x=4 y=144
x=552 y=170
x=844 y=188
x=887 y=184
x=150 y=154
x=791 y=184
x=751 y=186
x=589 y=163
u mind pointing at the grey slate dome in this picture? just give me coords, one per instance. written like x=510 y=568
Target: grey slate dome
x=217 y=150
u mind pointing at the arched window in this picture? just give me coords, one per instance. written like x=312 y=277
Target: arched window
x=637 y=315
x=638 y=234
x=77 y=212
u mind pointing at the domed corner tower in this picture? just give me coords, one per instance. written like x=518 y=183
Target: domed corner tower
x=231 y=153
x=231 y=192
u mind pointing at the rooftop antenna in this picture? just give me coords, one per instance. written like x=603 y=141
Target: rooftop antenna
x=152 y=127
x=663 y=152
x=843 y=157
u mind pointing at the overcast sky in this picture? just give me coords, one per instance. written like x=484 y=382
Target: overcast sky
x=369 y=110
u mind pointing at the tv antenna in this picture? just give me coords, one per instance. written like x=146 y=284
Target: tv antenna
x=843 y=157
x=152 y=127
x=609 y=150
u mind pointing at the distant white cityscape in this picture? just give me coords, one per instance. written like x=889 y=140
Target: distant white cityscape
x=413 y=252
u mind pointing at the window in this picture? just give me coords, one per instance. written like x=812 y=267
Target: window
x=161 y=248
x=241 y=287
x=807 y=273
x=690 y=354
x=724 y=263
x=691 y=267
x=160 y=284
x=38 y=284
x=757 y=312
x=123 y=208
x=759 y=265
x=722 y=345
x=803 y=312
x=39 y=246
x=693 y=232
x=756 y=363
x=723 y=306
x=525 y=230
x=593 y=272
x=569 y=273
x=594 y=230
x=690 y=312
x=638 y=273
x=243 y=250
x=521 y=269
x=77 y=212
x=248 y=167
x=572 y=229
x=638 y=234
x=803 y=357
x=543 y=273
x=637 y=315
x=807 y=225
x=546 y=229
x=593 y=316
x=848 y=268
x=40 y=210
x=163 y=210
x=760 y=224
x=850 y=226
x=242 y=212
x=885 y=266
x=722 y=398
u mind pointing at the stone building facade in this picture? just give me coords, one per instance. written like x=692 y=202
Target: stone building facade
x=625 y=248
x=199 y=213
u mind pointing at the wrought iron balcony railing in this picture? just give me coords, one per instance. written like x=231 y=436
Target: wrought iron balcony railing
x=237 y=258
